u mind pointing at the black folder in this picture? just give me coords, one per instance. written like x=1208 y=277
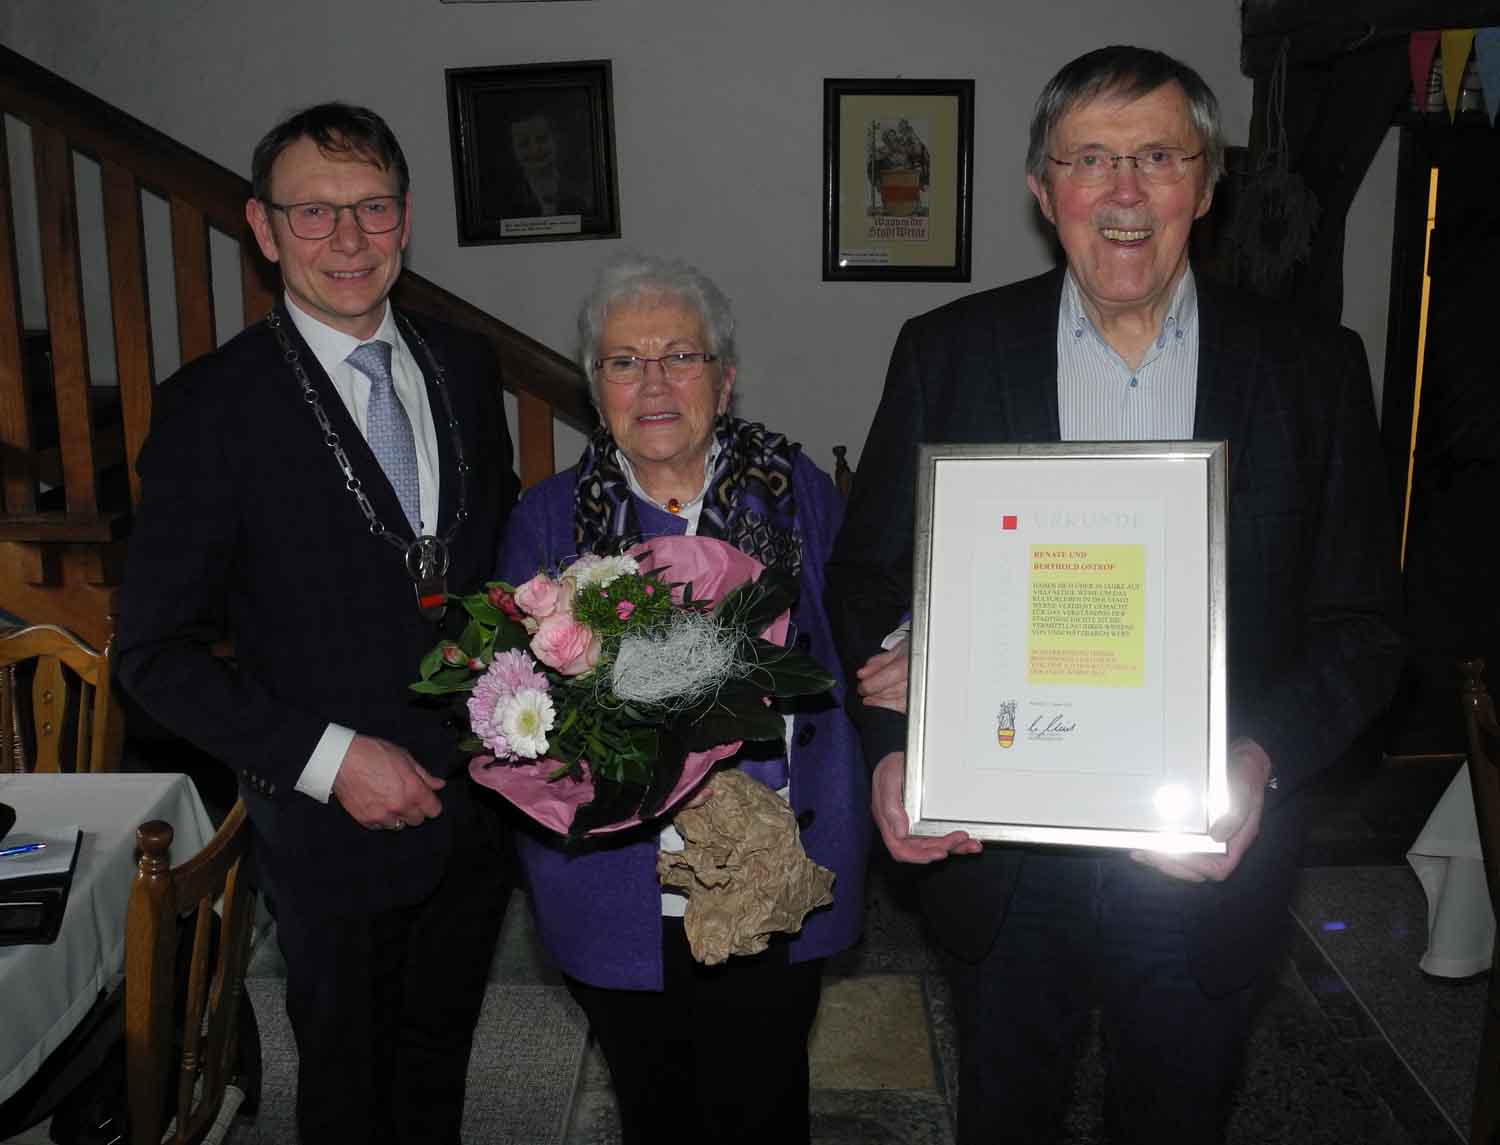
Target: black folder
x=32 y=903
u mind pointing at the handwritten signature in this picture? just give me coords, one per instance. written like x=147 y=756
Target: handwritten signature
x=1050 y=725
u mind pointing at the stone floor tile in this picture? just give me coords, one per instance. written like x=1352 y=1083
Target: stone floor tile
x=884 y=1117
x=871 y=1033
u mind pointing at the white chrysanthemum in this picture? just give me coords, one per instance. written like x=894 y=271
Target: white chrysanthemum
x=600 y=572
x=693 y=655
x=526 y=718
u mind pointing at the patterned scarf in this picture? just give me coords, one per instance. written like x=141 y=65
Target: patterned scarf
x=748 y=501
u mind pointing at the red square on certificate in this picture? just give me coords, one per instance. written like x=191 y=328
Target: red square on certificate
x=1008 y=521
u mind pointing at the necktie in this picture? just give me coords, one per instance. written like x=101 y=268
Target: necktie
x=388 y=429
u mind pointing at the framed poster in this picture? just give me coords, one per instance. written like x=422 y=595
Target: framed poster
x=898 y=159
x=533 y=152
x=1068 y=644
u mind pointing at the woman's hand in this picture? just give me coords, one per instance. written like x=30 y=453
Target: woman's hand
x=882 y=679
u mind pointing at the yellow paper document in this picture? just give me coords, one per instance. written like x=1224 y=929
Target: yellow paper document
x=1085 y=623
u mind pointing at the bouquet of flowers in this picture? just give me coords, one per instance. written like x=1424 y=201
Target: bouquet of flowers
x=600 y=696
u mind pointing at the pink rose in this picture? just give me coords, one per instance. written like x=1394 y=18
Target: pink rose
x=565 y=645
x=453 y=655
x=542 y=596
x=623 y=609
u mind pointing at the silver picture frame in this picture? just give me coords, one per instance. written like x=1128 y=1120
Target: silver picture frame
x=1068 y=651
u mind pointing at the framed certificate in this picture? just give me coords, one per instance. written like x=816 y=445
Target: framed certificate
x=1067 y=646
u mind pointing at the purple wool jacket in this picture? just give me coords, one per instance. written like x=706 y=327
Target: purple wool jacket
x=599 y=910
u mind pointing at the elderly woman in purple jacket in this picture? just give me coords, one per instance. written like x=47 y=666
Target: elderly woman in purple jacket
x=697 y=1054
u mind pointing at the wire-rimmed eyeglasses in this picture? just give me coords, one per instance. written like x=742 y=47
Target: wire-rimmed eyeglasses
x=376 y=215
x=1094 y=165
x=627 y=369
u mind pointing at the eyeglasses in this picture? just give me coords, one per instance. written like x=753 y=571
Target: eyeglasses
x=1095 y=166
x=627 y=369
x=376 y=216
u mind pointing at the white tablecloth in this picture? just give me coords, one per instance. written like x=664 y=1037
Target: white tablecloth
x=1448 y=861
x=46 y=990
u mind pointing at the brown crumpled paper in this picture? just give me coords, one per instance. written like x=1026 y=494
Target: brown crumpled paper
x=743 y=870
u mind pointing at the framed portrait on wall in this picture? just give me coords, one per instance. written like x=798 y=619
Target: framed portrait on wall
x=897 y=180
x=533 y=152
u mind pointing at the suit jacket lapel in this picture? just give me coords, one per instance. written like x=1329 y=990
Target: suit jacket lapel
x=1226 y=375
x=447 y=463
x=1026 y=351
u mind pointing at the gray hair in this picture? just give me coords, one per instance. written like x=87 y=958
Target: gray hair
x=1129 y=73
x=635 y=278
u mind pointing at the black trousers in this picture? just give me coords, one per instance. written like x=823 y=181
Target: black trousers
x=719 y=1056
x=1085 y=929
x=383 y=1006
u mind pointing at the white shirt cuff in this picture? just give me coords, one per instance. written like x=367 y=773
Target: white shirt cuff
x=323 y=765
x=898 y=637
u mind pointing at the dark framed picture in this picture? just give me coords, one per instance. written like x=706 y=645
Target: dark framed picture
x=898 y=171
x=534 y=152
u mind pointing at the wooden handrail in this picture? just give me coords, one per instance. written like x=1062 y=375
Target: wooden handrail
x=181 y=175
x=529 y=366
x=59 y=560
x=103 y=132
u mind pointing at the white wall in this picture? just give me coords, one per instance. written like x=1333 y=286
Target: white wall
x=718 y=118
x=1368 y=234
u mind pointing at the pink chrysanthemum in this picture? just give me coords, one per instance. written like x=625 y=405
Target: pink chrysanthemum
x=507 y=674
x=516 y=669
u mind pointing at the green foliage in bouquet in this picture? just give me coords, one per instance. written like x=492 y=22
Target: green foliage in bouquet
x=632 y=681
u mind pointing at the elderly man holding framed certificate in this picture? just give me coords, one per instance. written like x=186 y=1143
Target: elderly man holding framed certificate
x=1237 y=626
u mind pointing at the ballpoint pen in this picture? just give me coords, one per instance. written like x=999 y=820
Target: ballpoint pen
x=21 y=849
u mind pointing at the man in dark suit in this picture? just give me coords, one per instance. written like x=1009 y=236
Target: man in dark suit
x=1124 y=343
x=287 y=480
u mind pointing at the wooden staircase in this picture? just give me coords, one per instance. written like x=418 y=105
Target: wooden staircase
x=67 y=443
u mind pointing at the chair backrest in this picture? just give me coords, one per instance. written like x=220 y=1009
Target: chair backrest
x=1484 y=778
x=180 y=1063
x=843 y=476
x=57 y=710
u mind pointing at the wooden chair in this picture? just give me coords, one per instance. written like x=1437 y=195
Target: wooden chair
x=74 y=721
x=181 y=1040
x=843 y=476
x=1484 y=776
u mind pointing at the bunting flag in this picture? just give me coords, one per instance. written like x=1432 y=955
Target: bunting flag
x=1457 y=44
x=1487 y=60
x=1422 y=48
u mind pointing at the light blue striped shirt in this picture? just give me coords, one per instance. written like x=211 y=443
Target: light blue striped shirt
x=1100 y=398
